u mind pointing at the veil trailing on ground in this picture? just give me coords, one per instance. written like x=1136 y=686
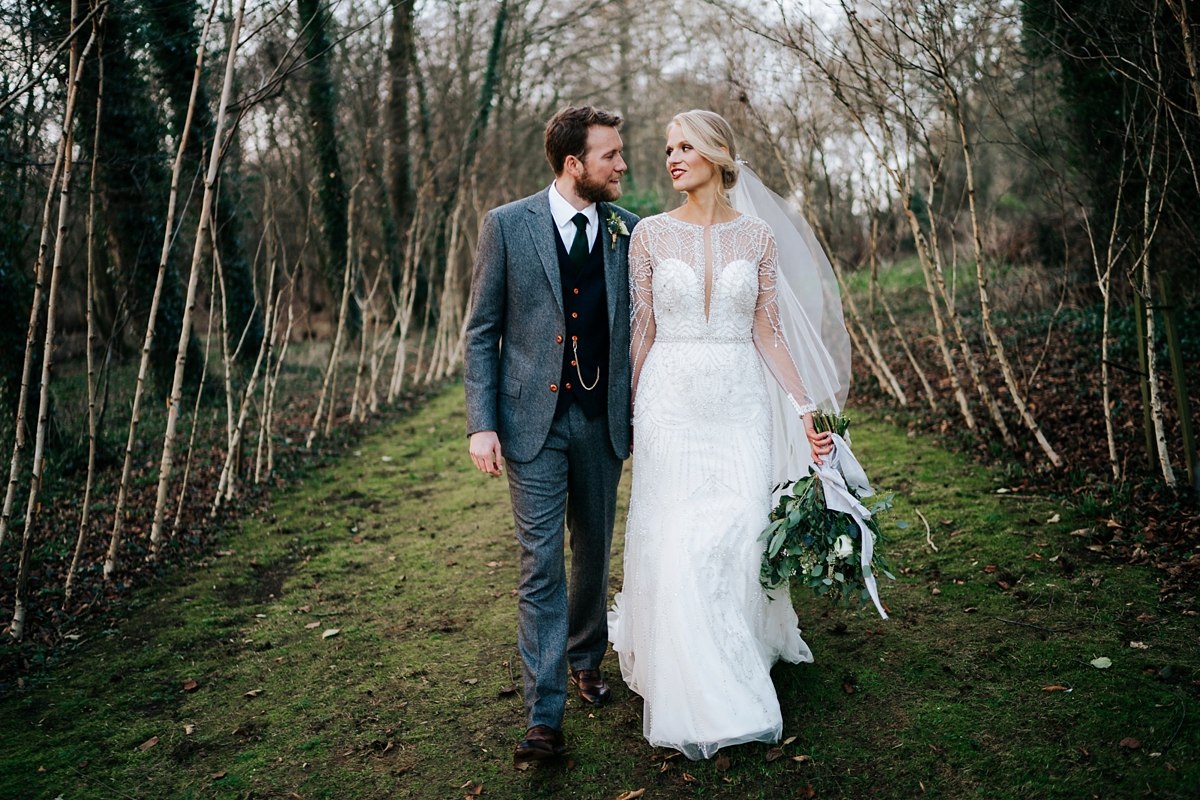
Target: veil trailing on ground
x=810 y=311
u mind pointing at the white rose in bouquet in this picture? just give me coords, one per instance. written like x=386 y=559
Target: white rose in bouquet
x=843 y=547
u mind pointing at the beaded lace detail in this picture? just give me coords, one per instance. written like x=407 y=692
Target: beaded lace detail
x=686 y=289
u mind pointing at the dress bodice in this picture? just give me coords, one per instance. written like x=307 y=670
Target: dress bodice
x=710 y=284
x=687 y=307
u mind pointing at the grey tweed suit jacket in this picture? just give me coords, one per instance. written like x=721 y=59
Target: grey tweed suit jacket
x=515 y=330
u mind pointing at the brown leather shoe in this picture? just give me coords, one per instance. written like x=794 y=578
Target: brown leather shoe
x=592 y=686
x=540 y=743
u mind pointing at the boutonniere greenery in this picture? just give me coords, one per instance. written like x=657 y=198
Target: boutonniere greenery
x=616 y=227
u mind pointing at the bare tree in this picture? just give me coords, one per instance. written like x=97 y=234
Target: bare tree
x=148 y=340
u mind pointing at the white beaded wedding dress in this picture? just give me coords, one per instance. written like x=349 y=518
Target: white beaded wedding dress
x=695 y=632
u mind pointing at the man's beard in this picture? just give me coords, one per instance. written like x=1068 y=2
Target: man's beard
x=594 y=191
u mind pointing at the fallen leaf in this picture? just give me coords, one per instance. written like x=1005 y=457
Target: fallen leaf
x=508 y=690
x=689 y=778
x=521 y=765
x=1054 y=519
x=475 y=790
x=847 y=688
x=312 y=625
x=1139 y=646
x=1080 y=532
x=493 y=564
x=666 y=765
x=935 y=591
x=633 y=795
x=806 y=792
x=990 y=568
x=1034 y=557
x=146 y=745
x=722 y=762
x=357 y=540
x=330 y=632
x=218 y=775
x=224 y=552
x=253 y=693
x=471 y=681
x=1131 y=743
x=1146 y=618
x=304 y=609
x=774 y=753
x=514 y=594
x=1096 y=548
x=41 y=769
x=188 y=729
x=389 y=458
x=1003 y=585
x=801 y=759
x=970 y=609
x=1055 y=689
x=1002 y=490
x=451 y=563
x=1101 y=663
x=190 y=685
x=788 y=740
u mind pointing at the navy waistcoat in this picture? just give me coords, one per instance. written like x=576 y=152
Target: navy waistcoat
x=585 y=309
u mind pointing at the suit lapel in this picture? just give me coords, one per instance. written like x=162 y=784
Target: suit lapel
x=612 y=265
x=541 y=228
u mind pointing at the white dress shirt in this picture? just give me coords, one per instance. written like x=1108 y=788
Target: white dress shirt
x=563 y=212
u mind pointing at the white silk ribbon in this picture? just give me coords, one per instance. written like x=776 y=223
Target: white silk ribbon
x=841 y=472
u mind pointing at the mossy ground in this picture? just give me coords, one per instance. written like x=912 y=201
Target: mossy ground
x=409 y=554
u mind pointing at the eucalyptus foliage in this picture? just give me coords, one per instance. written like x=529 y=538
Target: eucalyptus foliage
x=822 y=548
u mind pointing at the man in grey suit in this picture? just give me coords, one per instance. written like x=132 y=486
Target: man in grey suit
x=547 y=383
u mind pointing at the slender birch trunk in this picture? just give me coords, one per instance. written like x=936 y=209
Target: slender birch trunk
x=91 y=337
x=343 y=308
x=364 y=312
x=187 y=461
x=30 y=342
x=877 y=289
x=1010 y=378
x=269 y=383
x=404 y=306
x=17 y=629
x=1147 y=293
x=934 y=305
x=210 y=181
x=110 y=562
x=228 y=472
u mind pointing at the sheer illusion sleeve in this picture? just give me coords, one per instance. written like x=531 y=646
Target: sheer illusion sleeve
x=768 y=333
x=641 y=302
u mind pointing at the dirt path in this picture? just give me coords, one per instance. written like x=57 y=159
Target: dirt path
x=359 y=641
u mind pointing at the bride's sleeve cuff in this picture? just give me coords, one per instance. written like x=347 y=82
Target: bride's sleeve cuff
x=802 y=409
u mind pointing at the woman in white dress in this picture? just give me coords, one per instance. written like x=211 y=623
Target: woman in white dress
x=696 y=633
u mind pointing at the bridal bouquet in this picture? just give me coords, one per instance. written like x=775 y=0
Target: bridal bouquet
x=823 y=533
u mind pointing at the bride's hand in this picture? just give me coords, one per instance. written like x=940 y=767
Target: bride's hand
x=822 y=443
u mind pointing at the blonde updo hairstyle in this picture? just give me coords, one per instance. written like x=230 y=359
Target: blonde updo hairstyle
x=712 y=137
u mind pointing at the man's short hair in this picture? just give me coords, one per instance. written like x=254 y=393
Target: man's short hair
x=567 y=133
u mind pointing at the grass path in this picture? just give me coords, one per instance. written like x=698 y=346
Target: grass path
x=356 y=641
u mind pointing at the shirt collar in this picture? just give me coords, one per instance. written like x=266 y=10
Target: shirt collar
x=563 y=212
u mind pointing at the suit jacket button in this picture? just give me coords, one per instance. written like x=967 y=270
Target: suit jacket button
x=554 y=387
x=576 y=291
x=574 y=315
x=558 y=339
x=574 y=338
x=573 y=363
x=568 y=386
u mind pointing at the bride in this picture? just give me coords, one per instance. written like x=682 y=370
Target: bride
x=695 y=632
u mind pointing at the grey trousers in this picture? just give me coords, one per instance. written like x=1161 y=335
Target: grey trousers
x=575 y=478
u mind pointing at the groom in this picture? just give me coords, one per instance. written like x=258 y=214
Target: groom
x=547 y=382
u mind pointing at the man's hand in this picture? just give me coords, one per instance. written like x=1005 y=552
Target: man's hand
x=485 y=452
x=822 y=443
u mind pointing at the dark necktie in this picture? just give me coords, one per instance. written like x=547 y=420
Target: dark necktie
x=579 y=247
